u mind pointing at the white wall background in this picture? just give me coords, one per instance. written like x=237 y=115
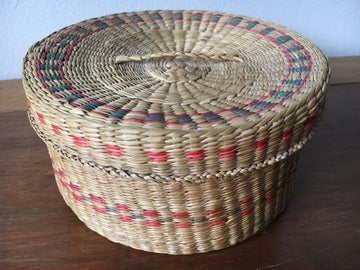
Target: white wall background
x=334 y=26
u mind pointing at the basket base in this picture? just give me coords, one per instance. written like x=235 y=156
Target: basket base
x=175 y=218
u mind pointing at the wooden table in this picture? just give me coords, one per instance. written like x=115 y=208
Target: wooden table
x=319 y=230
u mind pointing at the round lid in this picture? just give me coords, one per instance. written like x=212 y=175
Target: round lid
x=182 y=70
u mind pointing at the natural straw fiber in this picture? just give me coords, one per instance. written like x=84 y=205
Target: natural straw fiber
x=175 y=131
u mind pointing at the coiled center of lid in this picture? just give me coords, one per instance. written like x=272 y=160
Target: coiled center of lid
x=176 y=79
x=177 y=69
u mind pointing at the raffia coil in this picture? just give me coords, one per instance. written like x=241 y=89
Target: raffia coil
x=175 y=131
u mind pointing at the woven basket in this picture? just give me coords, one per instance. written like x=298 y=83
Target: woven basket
x=175 y=131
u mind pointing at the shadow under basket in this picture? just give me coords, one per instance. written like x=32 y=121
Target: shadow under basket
x=175 y=132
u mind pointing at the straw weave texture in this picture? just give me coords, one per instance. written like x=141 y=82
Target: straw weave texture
x=175 y=131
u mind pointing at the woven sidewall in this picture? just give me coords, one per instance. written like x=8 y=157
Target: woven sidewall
x=182 y=218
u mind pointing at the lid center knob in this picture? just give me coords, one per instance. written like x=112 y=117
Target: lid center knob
x=175 y=70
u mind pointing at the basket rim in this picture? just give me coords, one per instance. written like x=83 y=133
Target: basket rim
x=170 y=179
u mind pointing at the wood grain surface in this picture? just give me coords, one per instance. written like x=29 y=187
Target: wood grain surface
x=320 y=228
x=345 y=70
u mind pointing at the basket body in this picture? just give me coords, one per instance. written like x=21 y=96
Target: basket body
x=178 y=218
x=196 y=151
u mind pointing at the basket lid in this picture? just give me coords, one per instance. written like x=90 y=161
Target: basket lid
x=175 y=93
x=175 y=69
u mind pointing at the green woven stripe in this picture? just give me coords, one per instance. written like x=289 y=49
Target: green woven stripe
x=197 y=17
x=177 y=16
x=48 y=67
x=70 y=37
x=166 y=219
x=52 y=77
x=198 y=220
x=293 y=48
x=155 y=117
x=281 y=94
x=92 y=105
x=251 y=24
x=137 y=216
x=296 y=82
x=185 y=119
x=156 y=16
x=235 y=21
x=301 y=69
x=300 y=58
x=215 y=18
x=267 y=30
x=83 y=30
x=61 y=44
x=241 y=112
x=117 y=21
x=60 y=88
x=55 y=56
x=101 y=24
x=282 y=39
x=118 y=114
x=86 y=198
x=136 y=18
x=111 y=209
x=64 y=45
x=212 y=117
x=262 y=104
x=73 y=97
